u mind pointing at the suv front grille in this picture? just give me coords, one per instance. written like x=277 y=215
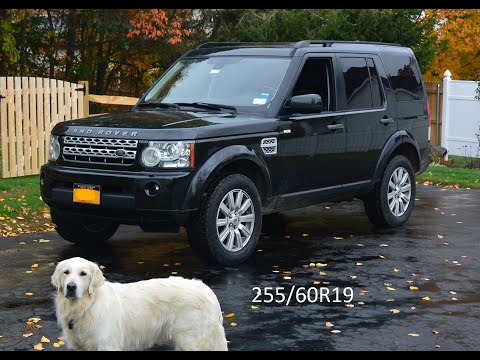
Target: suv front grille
x=99 y=150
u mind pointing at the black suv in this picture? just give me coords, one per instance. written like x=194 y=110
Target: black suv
x=233 y=131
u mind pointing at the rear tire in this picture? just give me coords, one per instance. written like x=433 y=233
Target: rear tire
x=84 y=233
x=391 y=202
x=227 y=226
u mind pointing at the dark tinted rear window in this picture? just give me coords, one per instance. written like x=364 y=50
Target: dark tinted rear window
x=404 y=76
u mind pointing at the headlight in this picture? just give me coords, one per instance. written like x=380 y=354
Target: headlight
x=54 y=152
x=178 y=154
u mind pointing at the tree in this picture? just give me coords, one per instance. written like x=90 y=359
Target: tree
x=458 y=42
x=408 y=27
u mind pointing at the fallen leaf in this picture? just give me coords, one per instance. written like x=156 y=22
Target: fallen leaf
x=396 y=270
x=425 y=279
x=390 y=288
x=464 y=256
x=387 y=284
x=102 y=267
x=174 y=273
x=253 y=307
x=413 y=334
x=414 y=275
x=435 y=332
x=336 y=331
x=438 y=346
x=381 y=257
x=275 y=271
x=413 y=288
x=325 y=282
x=409 y=281
x=383 y=245
x=459 y=222
x=34 y=319
x=34 y=266
x=329 y=324
x=390 y=300
x=320 y=265
x=38 y=326
x=304 y=235
x=394 y=311
x=27 y=335
x=322 y=273
x=56 y=345
x=316 y=283
x=233 y=324
x=454 y=299
x=445 y=243
x=337 y=238
x=39 y=346
x=229 y=316
x=60 y=339
x=61 y=342
x=426 y=298
x=353 y=276
x=287 y=277
x=45 y=339
x=359 y=264
x=440 y=236
x=360 y=303
x=327 y=207
x=166 y=265
x=454 y=262
x=453 y=292
x=259 y=250
x=360 y=245
x=29 y=294
x=22 y=243
x=43 y=241
x=311 y=264
x=349 y=305
x=413 y=308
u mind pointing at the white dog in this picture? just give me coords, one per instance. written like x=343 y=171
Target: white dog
x=99 y=315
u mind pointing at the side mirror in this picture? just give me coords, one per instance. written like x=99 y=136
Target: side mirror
x=308 y=103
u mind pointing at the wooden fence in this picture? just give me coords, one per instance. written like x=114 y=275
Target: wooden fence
x=435 y=101
x=29 y=108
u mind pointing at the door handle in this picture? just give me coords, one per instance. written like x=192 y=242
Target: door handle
x=335 y=127
x=387 y=120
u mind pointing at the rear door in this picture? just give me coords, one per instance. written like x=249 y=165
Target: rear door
x=369 y=120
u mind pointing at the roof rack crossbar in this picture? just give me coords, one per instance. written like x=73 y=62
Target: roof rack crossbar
x=209 y=45
x=328 y=43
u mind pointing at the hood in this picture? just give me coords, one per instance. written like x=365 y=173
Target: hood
x=166 y=125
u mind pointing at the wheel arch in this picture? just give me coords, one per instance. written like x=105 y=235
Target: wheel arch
x=400 y=143
x=233 y=159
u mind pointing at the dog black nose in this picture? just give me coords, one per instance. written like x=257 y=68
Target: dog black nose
x=71 y=287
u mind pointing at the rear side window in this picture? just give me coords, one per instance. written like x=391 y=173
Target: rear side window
x=362 y=86
x=404 y=77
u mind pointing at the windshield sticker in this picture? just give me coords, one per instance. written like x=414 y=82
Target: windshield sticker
x=261 y=100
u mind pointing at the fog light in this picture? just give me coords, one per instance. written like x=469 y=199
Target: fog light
x=152 y=188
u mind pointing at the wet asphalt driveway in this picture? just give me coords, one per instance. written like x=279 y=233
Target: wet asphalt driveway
x=437 y=251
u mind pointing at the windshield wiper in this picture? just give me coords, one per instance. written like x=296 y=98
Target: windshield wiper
x=158 y=105
x=210 y=106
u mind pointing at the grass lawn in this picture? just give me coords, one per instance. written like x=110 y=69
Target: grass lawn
x=21 y=208
x=441 y=175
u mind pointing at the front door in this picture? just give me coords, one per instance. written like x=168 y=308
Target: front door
x=311 y=145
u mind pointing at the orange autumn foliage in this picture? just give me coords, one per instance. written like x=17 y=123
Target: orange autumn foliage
x=157 y=24
x=459 y=42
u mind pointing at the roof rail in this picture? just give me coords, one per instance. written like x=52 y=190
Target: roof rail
x=209 y=45
x=328 y=43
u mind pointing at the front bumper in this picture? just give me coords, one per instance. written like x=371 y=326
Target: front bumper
x=123 y=197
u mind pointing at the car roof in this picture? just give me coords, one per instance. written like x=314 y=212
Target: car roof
x=290 y=48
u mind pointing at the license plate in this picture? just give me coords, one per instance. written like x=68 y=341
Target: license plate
x=86 y=193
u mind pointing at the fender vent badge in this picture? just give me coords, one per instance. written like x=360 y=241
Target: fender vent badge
x=269 y=146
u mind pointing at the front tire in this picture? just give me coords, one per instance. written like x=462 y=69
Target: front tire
x=84 y=233
x=391 y=202
x=227 y=227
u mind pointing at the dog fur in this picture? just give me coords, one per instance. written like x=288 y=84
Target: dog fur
x=101 y=315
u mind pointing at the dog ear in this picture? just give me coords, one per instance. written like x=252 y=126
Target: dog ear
x=56 y=277
x=97 y=279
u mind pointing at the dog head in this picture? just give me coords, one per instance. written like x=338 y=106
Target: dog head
x=77 y=277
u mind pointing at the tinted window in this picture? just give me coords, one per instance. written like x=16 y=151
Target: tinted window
x=357 y=83
x=317 y=78
x=405 y=77
x=377 y=96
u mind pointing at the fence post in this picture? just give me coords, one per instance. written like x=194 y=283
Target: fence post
x=86 y=98
x=447 y=77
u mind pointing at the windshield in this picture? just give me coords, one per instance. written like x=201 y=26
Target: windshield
x=249 y=82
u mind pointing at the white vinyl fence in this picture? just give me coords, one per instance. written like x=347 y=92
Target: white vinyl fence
x=461 y=117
